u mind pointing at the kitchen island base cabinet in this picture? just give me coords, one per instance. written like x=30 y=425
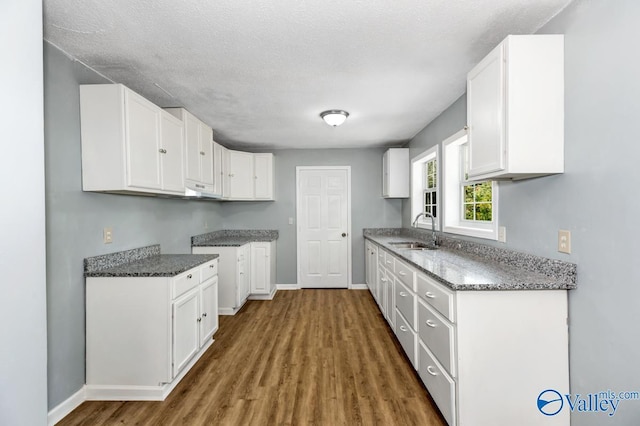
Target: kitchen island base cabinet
x=263 y=270
x=143 y=334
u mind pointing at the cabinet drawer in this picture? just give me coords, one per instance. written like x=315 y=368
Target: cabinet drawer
x=437 y=296
x=441 y=387
x=438 y=335
x=405 y=273
x=388 y=261
x=185 y=282
x=208 y=270
x=381 y=257
x=406 y=303
x=407 y=338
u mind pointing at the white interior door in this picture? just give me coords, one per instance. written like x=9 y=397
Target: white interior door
x=324 y=222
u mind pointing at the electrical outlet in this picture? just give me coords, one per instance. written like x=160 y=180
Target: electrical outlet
x=107 y=235
x=564 y=241
x=502 y=234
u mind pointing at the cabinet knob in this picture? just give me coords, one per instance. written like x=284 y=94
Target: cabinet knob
x=162 y=151
x=344 y=234
x=189 y=276
x=201 y=152
x=212 y=266
x=200 y=319
x=204 y=314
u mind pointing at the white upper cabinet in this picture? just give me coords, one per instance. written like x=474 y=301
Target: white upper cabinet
x=198 y=162
x=395 y=173
x=263 y=176
x=515 y=109
x=127 y=144
x=241 y=175
x=218 y=172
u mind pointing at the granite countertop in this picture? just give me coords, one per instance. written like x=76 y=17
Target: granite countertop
x=233 y=238
x=464 y=265
x=143 y=262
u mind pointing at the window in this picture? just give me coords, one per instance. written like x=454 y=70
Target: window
x=424 y=184
x=470 y=206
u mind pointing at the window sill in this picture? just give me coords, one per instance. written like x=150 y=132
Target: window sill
x=489 y=234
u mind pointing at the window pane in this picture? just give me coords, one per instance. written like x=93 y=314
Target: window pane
x=433 y=211
x=430 y=183
x=430 y=167
x=433 y=198
x=483 y=192
x=483 y=212
x=435 y=180
x=427 y=198
x=468 y=211
x=468 y=194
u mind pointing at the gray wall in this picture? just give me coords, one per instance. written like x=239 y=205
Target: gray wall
x=75 y=220
x=594 y=198
x=23 y=362
x=368 y=208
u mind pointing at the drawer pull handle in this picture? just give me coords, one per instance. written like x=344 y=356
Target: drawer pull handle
x=200 y=319
x=430 y=295
x=430 y=323
x=403 y=294
x=389 y=262
x=403 y=328
x=204 y=314
x=430 y=370
x=189 y=276
x=212 y=266
x=384 y=280
x=402 y=273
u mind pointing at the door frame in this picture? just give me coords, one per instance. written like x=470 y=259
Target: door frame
x=298 y=212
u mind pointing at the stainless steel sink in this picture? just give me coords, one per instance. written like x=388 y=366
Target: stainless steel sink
x=412 y=245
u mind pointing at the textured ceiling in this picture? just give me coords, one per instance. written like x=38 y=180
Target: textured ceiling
x=260 y=72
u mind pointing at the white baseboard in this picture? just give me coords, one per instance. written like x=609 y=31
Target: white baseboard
x=288 y=286
x=65 y=407
x=264 y=296
x=359 y=287
x=120 y=393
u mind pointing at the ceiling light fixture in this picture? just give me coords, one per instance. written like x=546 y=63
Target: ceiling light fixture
x=334 y=117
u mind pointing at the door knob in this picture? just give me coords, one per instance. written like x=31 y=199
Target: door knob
x=344 y=234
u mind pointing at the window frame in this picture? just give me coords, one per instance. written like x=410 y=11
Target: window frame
x=453 y=183
x=418 y=187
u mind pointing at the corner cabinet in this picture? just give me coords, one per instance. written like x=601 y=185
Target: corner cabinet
x=129 y=144
x=263 y=270
x=144 y=333
x=250 y=176
x=395 y=173
x=515 y=109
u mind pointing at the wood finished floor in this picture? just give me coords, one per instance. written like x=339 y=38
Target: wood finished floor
x=308 y=357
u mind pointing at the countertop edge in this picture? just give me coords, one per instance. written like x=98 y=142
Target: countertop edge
x=204 y=258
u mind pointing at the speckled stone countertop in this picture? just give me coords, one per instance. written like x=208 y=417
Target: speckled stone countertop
x=465 y=265
x=143 y=262
x=233 y=238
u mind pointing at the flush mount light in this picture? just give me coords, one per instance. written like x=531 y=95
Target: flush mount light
x=334 y=117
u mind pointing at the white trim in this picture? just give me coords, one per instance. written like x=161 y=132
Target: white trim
x=451 y=210
x=141 y=393
x=348 y=169
x=359 y=287
x=67 y=406
x=269 y=296
x=416 y=192
x=287 y=286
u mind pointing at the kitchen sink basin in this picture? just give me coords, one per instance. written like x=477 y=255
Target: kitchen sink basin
x=412 y=245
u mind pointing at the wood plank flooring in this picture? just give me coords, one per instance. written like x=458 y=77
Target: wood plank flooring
x=308 y=357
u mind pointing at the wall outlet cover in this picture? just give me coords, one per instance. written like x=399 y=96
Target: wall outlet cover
x=107 y=235
x=564 y=241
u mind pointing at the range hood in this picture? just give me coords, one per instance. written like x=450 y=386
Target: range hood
x=199 y=190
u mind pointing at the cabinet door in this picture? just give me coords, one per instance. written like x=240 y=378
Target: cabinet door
x=226 y=179
x=142 y=127
x=208 y=309
x=172 y=153
x=206 y=154
x=385 y=174
x=192 y=148
x=485 y=114
x=260 y=268
x=186 y=321
x=217 y=169
x=241 y=175
x=263 y=185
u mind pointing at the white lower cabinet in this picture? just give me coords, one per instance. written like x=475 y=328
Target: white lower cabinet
x=263 y=269
x=484 y=356
x=144 y=333
x=242 y=275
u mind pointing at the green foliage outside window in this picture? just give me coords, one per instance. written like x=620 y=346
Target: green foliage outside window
x=477 y=204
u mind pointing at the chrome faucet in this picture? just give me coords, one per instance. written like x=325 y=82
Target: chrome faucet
x=433 y=225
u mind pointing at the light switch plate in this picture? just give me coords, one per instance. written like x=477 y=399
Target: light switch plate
x=564 y=241
x=502 y=234
x=107 y=235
